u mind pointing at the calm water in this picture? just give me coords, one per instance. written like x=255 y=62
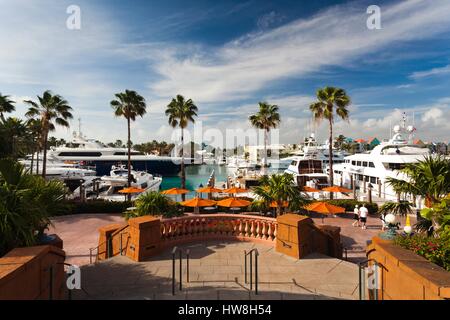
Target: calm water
x=195 y=175
x=199 y=174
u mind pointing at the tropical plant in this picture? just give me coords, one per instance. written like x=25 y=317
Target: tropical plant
x=155 y=204
x=13 y=138
x=430 y=179
x=26 y=204
x=329 y=100
x=401 y=208
x=436 y=250
x=266 y=118
x=34 y=129
x=339 y=141
x=180 y=113
x=129 y=104
x=52 y=110
x=439 y=215
x=6 y=106
x=280 y=188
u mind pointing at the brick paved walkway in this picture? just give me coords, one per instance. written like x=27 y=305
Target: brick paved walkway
x=217 y=272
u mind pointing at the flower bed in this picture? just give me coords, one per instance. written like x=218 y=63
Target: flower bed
x=436 y=250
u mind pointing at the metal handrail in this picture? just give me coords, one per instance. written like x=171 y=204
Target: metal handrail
x=108 y=242
x=361 y=267
x=50 y=292
x=250 y=253
x=174 y=251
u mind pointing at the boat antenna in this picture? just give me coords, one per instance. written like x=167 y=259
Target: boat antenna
x=79 y=127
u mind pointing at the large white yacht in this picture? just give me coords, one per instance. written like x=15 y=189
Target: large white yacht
x=384 y=161
x=90 y=152
x=310 y=165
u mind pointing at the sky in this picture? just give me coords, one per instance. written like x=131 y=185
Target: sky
x=229 y=55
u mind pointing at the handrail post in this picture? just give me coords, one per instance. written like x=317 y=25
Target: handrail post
x=121 y=244
x=181 y=271
x=256 y=272
x=251 y=271
x=245 y=266
x=187 y=264
x=90 y=255
x=173 y=272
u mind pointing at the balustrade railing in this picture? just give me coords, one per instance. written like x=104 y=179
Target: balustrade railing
x=244 y=227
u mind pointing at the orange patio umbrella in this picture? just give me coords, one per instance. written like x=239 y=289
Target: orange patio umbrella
x=235 y=190
x=208 y=190
x=198 y=202
x=131 y=190
x=174 y=191
x=324 y=208
x=309 y=189
x=233 y=202
x=336 y=189
x=274 y=204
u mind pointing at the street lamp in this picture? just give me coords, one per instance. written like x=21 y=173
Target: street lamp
x=391 y=232
x=369 y=192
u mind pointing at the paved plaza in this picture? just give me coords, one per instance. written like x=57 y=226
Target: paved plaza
x=217 y=272
x=80 y=232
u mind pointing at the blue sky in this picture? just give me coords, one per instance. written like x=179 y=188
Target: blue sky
x=229 y=55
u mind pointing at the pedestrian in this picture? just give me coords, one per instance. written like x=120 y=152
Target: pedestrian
x=356 y=216
x=363 y=212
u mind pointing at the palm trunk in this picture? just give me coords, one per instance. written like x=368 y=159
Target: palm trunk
x=37 y=160
x=183 y=173
x=44 y=161
x=265 y=149
x=32 y=158
x=129 y=158
x=330 y=154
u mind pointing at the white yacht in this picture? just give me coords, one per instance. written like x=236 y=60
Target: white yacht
x=310 y=165
x=61 y=170
x=107 y=187
x=384 y=161
x=93 y=153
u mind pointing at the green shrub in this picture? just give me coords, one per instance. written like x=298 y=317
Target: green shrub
x=436 y=250
x=155 y=203
x=26 y=204
x=349 y=204
x=98 y=206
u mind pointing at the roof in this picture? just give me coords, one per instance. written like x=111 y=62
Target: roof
x=360 y=140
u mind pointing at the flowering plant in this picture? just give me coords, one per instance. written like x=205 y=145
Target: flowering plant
x=436 y=250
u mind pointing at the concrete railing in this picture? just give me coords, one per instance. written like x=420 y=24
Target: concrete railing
x=219 y=226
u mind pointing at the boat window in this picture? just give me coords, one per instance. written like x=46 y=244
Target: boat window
x=124 y=153
x=294 y=163
x=144 y=185
x=354 y=162
x=358 y=163
x=396 y=166
x=373 y=180
x=364 y=164
x=371 y=165
x=80 y=154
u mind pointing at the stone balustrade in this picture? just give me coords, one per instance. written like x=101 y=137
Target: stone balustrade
x=218 y=226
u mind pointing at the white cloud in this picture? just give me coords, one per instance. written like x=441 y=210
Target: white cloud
x=430 y=73
x=253 y=62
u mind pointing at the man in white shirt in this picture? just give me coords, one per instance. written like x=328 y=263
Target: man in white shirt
x=363 y=212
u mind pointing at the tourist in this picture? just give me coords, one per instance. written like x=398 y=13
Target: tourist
x=363 y=212
x=356 y=216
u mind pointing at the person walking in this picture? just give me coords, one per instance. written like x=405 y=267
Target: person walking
x=363 y=212
x=356 y=216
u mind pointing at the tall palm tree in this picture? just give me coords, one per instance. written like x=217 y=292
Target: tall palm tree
x=180 y=112
x=34 y=128
x=129 y=104
x=266 y=118
x=279 y=188
x=52 y=110
x=6 y=106
x=329 y=101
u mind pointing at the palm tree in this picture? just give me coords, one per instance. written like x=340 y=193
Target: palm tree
x=329 y=99
x=266 y=118
x=27 y=203
x=180 y=113
x=339 y=141
x=6 y=106
x=429 y=178
x=279 y=188
x=13 y=138
x=129 y=104
x=50 y=108
x=34 y=128
x=401 y=208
